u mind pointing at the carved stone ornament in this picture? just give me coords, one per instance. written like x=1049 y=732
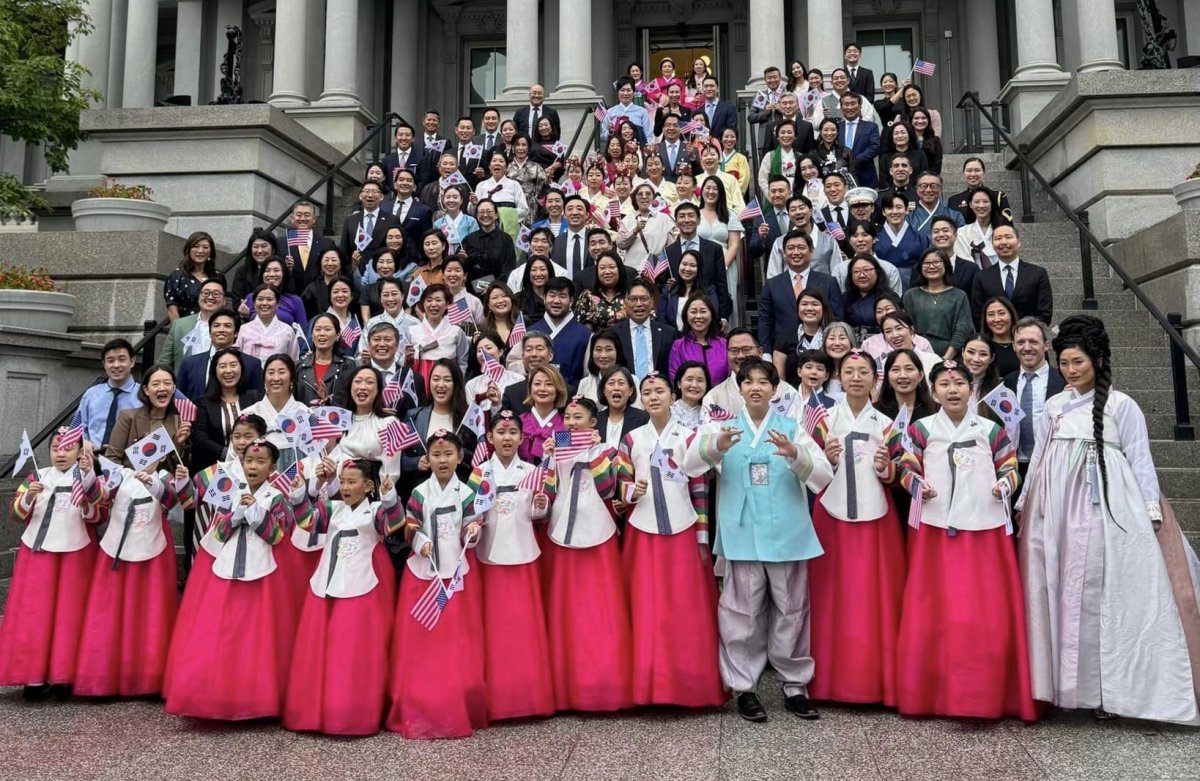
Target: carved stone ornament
x=682 y=10
x=886 y=6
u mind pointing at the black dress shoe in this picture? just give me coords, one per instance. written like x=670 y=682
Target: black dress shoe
x=37 y=692
x=750 y=708
x=61 y=691
x=799 y=705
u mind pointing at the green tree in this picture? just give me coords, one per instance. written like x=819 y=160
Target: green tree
x=41 y=92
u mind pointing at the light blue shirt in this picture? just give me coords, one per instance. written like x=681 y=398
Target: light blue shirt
x=637 y=115
x=95 y=404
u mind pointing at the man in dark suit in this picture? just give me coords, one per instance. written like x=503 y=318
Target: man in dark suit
x=302 y=254
x=571 y=246
x=639 y=328
x=673 y=150
x=862 y=80
x=412 y=215
x=427 y=144
x=1025 y=285
x=468 y=153
x=222 y=332
x=861 y=138
x=527 y=117
x=789 y=108
x=943 y=232
x=1033 y=383
x=767 y=228
x=402 y=157
x=431 y=194
x=569 y=337
x=536 y=350
x=490 y=135
x=722 y=115
x=777 y=316
x=712 y=256
x=363 y=231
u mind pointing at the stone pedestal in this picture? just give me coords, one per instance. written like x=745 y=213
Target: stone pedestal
x=1165 y=260
x=340 y=123
x=1027 y=95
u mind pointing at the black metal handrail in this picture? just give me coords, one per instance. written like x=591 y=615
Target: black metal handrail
x=1089 y=243
x=152 y=329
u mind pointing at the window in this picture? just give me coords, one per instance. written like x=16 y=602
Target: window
x=488 y=75
x=889 y=50
x=1124 y=36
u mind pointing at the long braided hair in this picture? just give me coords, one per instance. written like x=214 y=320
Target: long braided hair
x=1086 y=333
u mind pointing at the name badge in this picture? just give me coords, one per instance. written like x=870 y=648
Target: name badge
x=759 y=474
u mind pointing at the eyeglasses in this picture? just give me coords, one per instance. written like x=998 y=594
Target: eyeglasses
x=212 y=294
x=929 y=187
x=638 y=299
x=863 y=272
x=742 y=352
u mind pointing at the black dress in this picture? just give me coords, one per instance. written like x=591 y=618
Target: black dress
x=182 y=291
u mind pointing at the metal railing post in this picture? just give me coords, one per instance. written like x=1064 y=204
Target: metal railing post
x=329 y=201
x=148 y=327
x=587 y=112
x=1027 y=214
x=998 y=112
x=1184 y=432
x=1085 y=257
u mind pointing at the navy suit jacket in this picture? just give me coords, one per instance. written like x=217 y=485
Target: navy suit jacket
x=724 y=116
x=418 y=164
x=760 y=247
x=712 y=271
x=427 y=169
x=777 y=316
x=418 y=220
x=350 y=233
x=1032 y=295
x=863 y=83
x=521 y=120
x=570 y=348
x=1055 y=384
x=865 y=151
x=193 y=375
x=685 y=152
x=662 y=336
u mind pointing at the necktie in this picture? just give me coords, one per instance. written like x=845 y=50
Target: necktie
x=782 y=218
x=576 y=255
x=797 y=285
x=403 y=159
x=534 y=117
x=1008 y=282
x=853 y=72
x=710 y=109
x=491 y=141
x=641 y=357
x=671 y=155
x=111 y=420
x=303 y=249
x=462 y=156
x=368 y=223
x=1026 y=449
x=850 y=128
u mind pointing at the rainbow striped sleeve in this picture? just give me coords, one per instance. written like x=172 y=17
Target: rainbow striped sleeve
x=276 y=519
x=303 y=511
x=20 y=512
x=318 y=515
x=911 y=464
x=388 y=516
x=1004 y=458
x=698 y=489
x=708 y=448
x=623 y=468
x=199 y=488
x=414 y=515
x=467 y=505
x=604 y=474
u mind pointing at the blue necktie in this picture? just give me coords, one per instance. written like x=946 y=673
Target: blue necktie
x=1008 y=282
x=1026 y=449
x=710 y=109
x=641 y=355
x=111 y=420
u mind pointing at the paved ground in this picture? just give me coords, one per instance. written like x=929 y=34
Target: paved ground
x=120 y=741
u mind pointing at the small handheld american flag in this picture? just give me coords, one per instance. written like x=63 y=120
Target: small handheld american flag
x=568 y=444
x=836 y=232
x=691 y=126
x=428 y=609
x=283 y=480
x=185 y=407
x=78 y=497
x=518 y=332
x=719 y=414
x=613 y=208
x=814 y=414
x=460 y=313
x=752 y=211
x=329 y=422
x=917 y=507
x=655 y=266
x=350 y=334
x=74 y=433
x=396 y=436
x=536 y=479
x=391 y=394
x=493 y=369
x=925 y=68
x=298 y=238
x=481 y=453
x=600 y=114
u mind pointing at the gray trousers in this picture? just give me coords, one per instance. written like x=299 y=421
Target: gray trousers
x=763 y=615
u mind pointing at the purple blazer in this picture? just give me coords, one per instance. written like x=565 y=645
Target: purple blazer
x=714 y=357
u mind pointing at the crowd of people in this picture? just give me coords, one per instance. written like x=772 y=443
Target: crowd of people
x=509 y=445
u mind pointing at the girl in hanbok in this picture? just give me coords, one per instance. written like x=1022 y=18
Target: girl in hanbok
x=232 y=648
x=1110 y=583
x=437 y=661
x=134 y=598
x=436 y=337
x=858 y=585
x=588 y=612
x=339 y=674
x=43 y=617
x=516 y=649
x=673 y=595
x=962 y=648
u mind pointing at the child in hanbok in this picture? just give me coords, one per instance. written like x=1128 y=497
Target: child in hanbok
x=232 y=648
x=338 y=682
x=134 y=597
x=1110 y=582
x=587 y=608
x=516 y=649
x=673 y=595
x=962 y=648
x=857 y=587
x=437 y=661
x=43 y=617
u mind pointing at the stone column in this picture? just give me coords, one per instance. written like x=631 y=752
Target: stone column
x=291 y=52
x=766 y=39
x=1097 y=24
x=341 y=52
x=824 y=35
x=188 y=38
x=116 y=54
x=1191 y=27
x=983 y=63
x=1035 y=39
x=521 y=42
x=405 y=67
x=141 y=36
x=92 y=50
x=574 y=47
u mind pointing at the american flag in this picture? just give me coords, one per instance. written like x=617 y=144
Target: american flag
x=600 y=114
x=694 y=126
x=391 y=394
x=185 y=407
x=491 y=367
x=78 y=497
x=283 y=480
x=429 y=607
x=518 y=332
x=814 y=414
x=752 y=211
x=481 y=453
x=835 y=230
x=460 y=313
x=536 y=479
x=925 y=68
x=350 y=334
x=329 y=422
x=719 y=414
x=568 y=444
x=74 y=433
x=614 y=208
x=917 y=508
x=653 y=266
x=396 y=436
x=298 y=237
